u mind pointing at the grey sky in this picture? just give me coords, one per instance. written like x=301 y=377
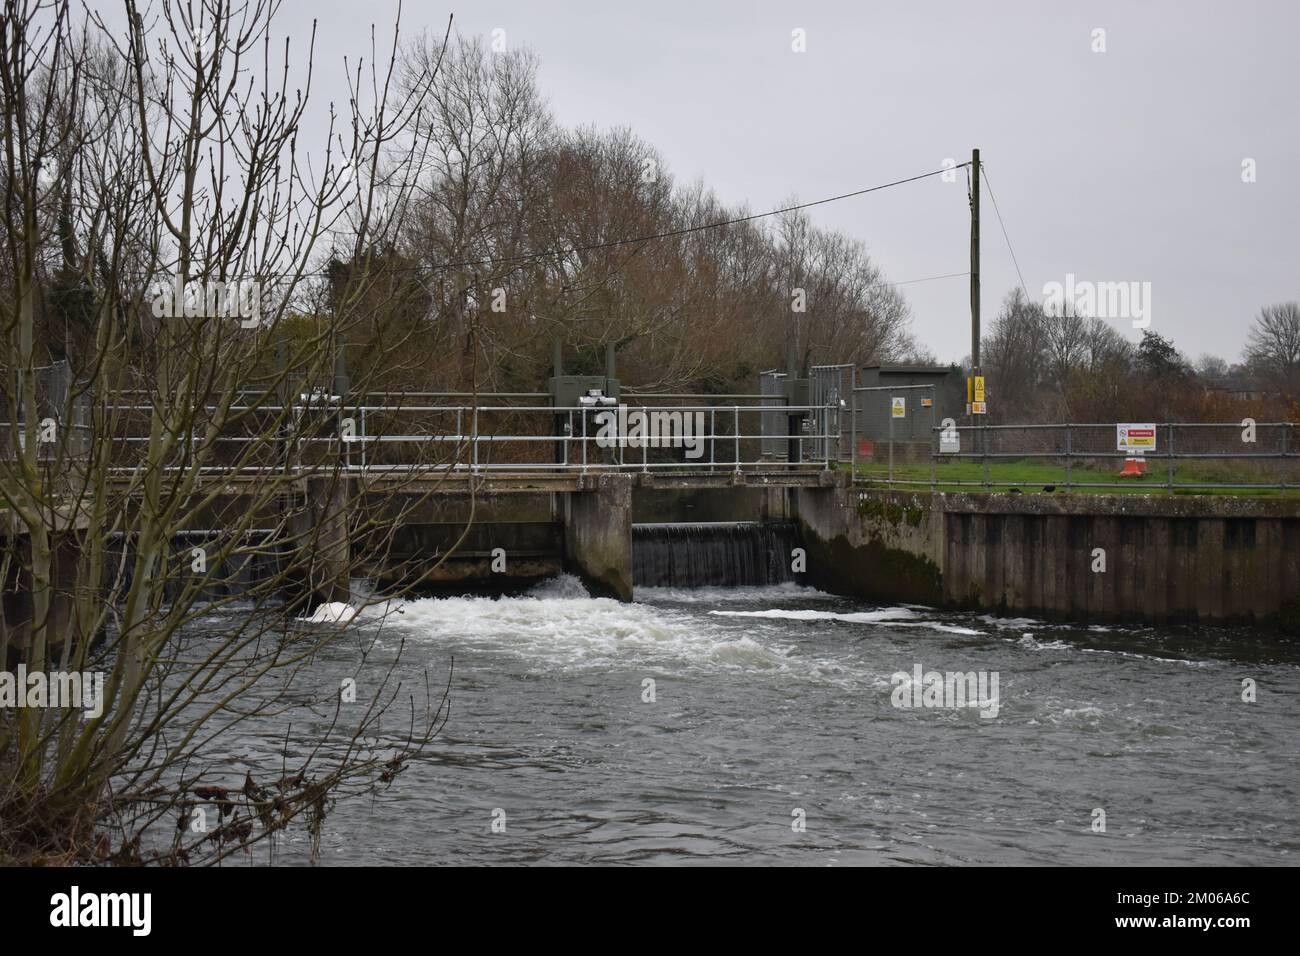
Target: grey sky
x=1122 y=165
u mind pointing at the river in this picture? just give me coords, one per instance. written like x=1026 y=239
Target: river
x=773 y=737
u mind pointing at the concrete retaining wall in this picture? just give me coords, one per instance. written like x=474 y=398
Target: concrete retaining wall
x=1202 y=558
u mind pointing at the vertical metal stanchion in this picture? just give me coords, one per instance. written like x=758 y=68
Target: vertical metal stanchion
x=736 y=409
x=645 y=445
x=1069 y=458
x=891 y=445
x=1286 y=431
x=1170 y=452
x=934 y=457
x=853 y=424
x=473 y=437
x=984 y=444
x=584 y=441
x=362 y=413
x=713 y=435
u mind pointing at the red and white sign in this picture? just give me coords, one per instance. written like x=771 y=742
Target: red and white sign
x=1135 y=436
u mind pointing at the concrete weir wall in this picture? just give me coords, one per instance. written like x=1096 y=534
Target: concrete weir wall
x=1167 y=559
x=598 y=535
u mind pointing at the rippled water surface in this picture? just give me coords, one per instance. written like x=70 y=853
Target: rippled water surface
x=773 y=700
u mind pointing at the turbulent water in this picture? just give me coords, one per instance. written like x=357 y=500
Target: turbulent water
x=773 y=707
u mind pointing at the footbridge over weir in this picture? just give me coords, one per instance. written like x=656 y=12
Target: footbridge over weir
x=463 y=490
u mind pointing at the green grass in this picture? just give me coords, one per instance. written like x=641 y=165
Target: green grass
x=1032 y=475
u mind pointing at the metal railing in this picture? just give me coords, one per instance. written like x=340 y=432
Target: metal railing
x=1188 y=457
x=379 y=437
x=633 y=437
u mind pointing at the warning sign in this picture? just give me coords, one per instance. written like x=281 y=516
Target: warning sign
x=979 y=389
x=1135 y=436
x=978 y=408
x=899 y=408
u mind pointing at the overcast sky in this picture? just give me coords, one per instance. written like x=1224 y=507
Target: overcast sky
x=1114 y=166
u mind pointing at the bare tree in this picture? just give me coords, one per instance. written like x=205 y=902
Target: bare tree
x=1273 y=347
x=163 y=233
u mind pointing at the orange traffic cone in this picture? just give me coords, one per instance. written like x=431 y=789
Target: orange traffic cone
x=1134 y=468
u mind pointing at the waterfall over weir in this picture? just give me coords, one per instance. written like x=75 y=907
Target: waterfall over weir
x=712 y=554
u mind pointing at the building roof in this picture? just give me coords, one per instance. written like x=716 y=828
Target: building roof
x=910 y=369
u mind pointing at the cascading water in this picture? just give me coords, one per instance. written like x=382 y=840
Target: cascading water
x=713 y=554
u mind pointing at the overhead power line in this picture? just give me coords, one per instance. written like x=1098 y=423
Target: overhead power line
x=613 y=243
x=946 y=275
x=670 y=234
x=984 y=170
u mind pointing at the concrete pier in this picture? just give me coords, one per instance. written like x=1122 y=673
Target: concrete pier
x=320 y=547
x=598 y=535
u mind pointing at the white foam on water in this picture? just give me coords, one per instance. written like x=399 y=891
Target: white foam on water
x=893 y=617
x=558 y=626
x=716 y=595
x=1005 y=623
x=560 y=587
x=1029 y=641
x=332 y=612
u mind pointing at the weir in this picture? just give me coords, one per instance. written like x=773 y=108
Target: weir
x=498 y=497
x=713 y=554
x=1110 y=558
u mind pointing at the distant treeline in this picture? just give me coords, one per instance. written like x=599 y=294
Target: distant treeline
x=1062 y=367
x=553 y=209
x=483 y=231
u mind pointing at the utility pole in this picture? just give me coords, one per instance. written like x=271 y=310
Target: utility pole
x=975 y=262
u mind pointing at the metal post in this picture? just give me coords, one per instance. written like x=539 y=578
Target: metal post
x=853 y=423
x=1069 y=458
x=891 y=446
x=984 y=443
x=713 y=431
x=645 y=445
x=934 y=457
x=1170 y=471
x=737 y=419
x=363 y=437
x=1286 y=431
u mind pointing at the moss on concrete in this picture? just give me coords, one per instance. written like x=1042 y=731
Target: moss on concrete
x=872 y=570
x=871 y=506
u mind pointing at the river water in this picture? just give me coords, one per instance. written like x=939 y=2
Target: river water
x=773 y=708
